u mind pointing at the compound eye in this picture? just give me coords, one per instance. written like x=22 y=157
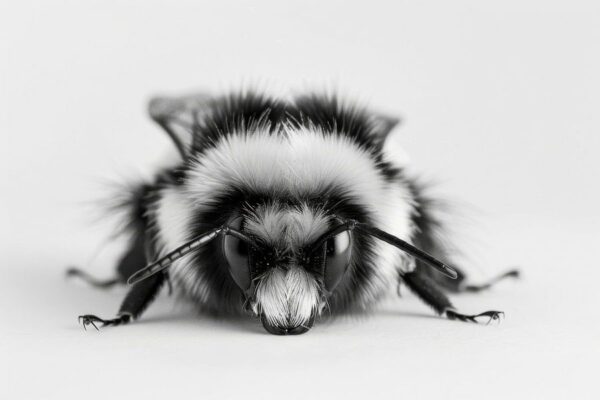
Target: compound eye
x=237 y=255
x=337 y=253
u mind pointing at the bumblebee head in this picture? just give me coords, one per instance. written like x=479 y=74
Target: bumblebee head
x=290 y=266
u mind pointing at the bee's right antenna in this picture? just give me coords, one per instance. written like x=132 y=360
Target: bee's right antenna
x=351 y=224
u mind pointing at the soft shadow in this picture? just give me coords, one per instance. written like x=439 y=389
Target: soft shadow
x=203 y=321
x=405 y=314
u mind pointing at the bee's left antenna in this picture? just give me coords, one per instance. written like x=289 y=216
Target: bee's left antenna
x=408 y=248
x=168 y=259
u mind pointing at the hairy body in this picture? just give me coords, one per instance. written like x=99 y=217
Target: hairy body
x=283 y=174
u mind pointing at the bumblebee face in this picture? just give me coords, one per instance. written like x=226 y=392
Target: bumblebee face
x=289 y=274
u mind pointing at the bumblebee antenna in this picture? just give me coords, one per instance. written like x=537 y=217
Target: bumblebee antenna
x=168 y=259
x=349 y=225
x=408 y=248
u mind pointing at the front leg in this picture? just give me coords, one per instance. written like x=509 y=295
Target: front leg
x=491 y=315
x=427 y=290
x=137 y=300
x=89 y=319
x=513 y=273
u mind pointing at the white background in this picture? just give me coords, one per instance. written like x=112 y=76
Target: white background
x=501 y=105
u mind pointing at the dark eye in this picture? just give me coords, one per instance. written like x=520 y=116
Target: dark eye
x=338 y=251
x=236 y=254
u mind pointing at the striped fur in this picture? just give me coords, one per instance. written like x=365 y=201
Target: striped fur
x=287 y=168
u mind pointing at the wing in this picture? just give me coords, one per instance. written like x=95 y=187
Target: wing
x=178 y=116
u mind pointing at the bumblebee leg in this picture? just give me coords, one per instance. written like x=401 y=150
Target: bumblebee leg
x=89 y=319
x=427 y=238
x=513 y=273
x=91 y=280
x=137 y=300
x=132 y=260
x=460 y=285
x=491 y=315
x=427 y=290
x=135 y=257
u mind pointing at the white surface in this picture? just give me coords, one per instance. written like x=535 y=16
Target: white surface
x=500 y=103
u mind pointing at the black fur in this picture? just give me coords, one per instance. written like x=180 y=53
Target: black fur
x=245 y=110
x=135 y=205
x=429 y=237
x=134 y=258
x=335 y=117
x=237 y=112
